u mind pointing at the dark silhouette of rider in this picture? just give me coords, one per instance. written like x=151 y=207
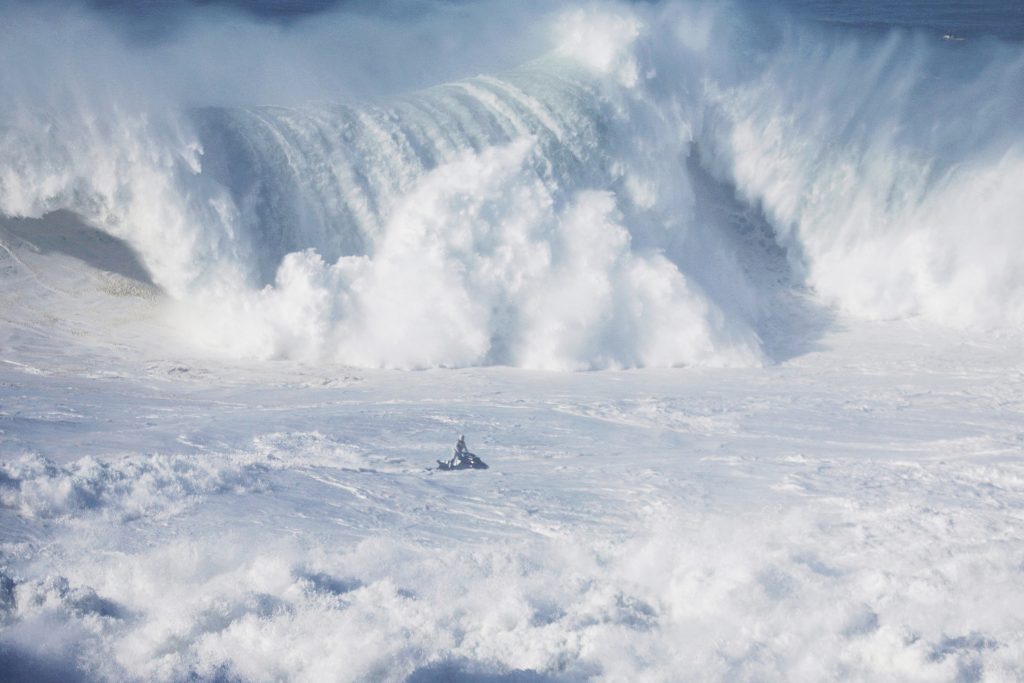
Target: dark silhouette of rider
x=462 y=458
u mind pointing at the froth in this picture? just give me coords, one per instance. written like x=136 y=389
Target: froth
x=791 y=598
x=888 y=183
x=479 y=264
x=545 y=217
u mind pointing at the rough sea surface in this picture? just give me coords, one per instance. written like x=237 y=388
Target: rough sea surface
x=729 y=296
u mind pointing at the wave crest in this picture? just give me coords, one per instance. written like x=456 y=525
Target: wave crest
x=558 y=215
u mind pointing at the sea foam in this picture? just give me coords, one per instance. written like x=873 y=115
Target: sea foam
x=543 y=216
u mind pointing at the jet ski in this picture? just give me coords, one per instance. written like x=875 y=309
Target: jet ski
x=462 y=459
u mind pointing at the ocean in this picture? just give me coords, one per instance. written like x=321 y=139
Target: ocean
x=728 y=295
x=967 y=18
x=972 y=19
x=280 y=159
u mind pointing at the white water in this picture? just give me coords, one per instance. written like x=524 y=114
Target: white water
x=426 y=229
x=854 y=514
x=589 y=186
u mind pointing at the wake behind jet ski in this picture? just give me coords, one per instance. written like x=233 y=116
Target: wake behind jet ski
x=462 y=459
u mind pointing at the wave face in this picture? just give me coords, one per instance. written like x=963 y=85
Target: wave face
x=615 y=200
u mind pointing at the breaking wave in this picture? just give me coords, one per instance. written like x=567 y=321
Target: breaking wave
x=552 y=214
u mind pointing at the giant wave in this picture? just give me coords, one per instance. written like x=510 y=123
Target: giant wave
x=619 y=198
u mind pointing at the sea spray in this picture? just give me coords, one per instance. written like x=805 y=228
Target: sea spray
x=545 y=215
